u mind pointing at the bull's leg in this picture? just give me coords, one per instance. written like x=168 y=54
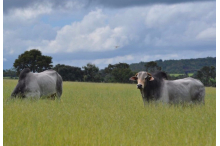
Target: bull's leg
x=52 y=97
x=198 y=95
x=59 y=93
x=145 y=101
x=59 y=86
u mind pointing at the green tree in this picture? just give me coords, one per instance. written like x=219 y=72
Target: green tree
x=69 y=73
x=207 y=75
x=10 y=73
x=213 y=72
x=152 y=66
x=34 y=60
x=91 y=73
x=120 y=72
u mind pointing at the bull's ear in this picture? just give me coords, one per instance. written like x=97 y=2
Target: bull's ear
x=134 y=78
x=150 y=77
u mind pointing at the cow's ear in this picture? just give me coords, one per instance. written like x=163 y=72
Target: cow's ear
x=150 y=77
x=134 y=78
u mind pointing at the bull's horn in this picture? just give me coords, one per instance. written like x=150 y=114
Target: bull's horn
x=149 y=74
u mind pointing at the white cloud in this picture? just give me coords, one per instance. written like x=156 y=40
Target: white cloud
x=74 y=5
x=207 y=34
x=23 y=29
x=164 y=31
x=4 y=59
x=11 y=51
x=163 y=28
x=179 y=24
x=31 y=12
x=113 y=60
x=91 y=34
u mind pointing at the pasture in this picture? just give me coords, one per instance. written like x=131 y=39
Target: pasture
x=105 y=114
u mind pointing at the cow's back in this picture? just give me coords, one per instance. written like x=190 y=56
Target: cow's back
x=185 y=90
x=47 y=82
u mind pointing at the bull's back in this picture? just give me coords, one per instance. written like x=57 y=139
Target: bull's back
x=47 y=82
x=185 y=90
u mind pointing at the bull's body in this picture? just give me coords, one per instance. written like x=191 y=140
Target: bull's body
x=156 y=87
x=47 y=84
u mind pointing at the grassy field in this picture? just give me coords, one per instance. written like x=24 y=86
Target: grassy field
x=105 y=114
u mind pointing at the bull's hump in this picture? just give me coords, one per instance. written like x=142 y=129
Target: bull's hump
x=24 y=73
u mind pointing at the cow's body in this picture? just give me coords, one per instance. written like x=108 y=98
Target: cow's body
x=156 y=87
x=47 y=83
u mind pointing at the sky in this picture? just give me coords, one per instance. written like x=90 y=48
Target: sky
x=77 y=32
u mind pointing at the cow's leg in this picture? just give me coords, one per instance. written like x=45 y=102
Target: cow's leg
x=198 y=95
x=59 y=86
x=58 y=94
x=52 y=97
x=145 y=100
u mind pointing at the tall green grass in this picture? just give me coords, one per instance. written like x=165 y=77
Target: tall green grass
x=105 y=114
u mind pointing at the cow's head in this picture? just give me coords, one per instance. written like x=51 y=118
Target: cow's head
x=141 y=78
x=19 y=90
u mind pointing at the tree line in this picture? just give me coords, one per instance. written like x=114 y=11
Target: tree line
x=178 y=66
x=120 y=72
x=91 y=73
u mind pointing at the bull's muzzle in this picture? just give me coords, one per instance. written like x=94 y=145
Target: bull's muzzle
x=13 y=95
x=139 y=86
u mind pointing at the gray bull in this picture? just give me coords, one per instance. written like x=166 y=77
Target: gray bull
x=47 y=83
x=156 y=87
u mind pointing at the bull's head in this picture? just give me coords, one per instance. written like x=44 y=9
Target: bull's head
x=141 y=78
x=19 y=90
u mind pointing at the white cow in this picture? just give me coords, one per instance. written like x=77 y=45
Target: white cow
x=45 y=84
x=156 y=87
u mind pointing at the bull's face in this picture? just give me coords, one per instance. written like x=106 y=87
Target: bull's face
x=18 y=93
x=19 y=90
x=141 y=78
